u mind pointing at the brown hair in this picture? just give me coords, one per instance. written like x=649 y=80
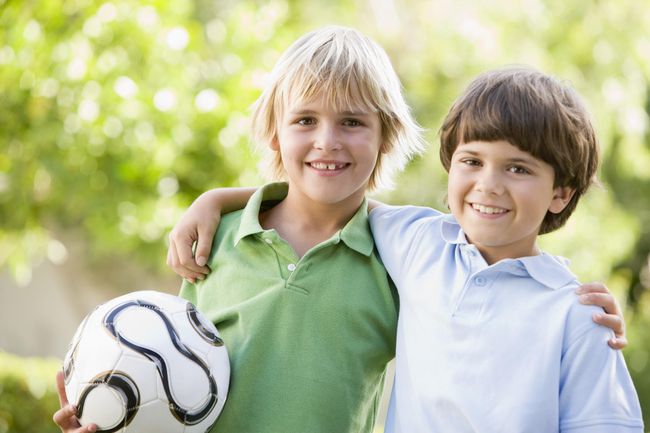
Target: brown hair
x=536 y=113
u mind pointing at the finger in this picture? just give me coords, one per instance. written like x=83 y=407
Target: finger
x=65 y=417
x=186 y=256
x=180 y=256
x=604 y=300
x=611 y=321
x=193 y=277
x=60 y=388
x=174 y=263
x=89 y=428
x=593 y=287
x=203 y=247
x=170 y=256
x=617 y=343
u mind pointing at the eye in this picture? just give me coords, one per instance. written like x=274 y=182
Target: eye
x=472 y=162
x=518 y=169
x=306 y=121
x=351 y=122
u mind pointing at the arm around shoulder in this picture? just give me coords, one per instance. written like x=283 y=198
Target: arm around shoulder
x=198 y=225
x=398 y=231
x=596 y=390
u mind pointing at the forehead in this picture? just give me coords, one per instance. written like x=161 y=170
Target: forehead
x=332 y=98
x=499 y=149
x=321 y=104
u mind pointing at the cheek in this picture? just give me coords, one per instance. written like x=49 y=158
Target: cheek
x=454 y=184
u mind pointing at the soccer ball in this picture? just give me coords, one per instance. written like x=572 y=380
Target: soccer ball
x=147 y=362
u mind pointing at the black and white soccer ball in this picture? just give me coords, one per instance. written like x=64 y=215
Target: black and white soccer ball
x=147 y=362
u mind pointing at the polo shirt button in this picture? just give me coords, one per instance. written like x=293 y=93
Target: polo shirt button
x=268 y=241
x=291 y=267
x=480 y=281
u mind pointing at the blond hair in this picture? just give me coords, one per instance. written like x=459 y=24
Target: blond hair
x=350 y=71
x=538 y=114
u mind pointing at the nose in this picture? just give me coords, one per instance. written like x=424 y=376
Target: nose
x=489 y=181
x=328 y=137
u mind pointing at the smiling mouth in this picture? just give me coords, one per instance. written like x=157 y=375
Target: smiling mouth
x=488 y=209
x=329 y=166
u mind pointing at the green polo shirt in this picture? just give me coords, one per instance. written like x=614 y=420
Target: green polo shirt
x=308 y=338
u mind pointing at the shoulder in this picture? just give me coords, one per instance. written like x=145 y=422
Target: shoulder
x=587 y=363
x=405 y=217
x=230 y=222
x=231 y=218
x=401 y=227
x=579 y=319
x=228 y=230
x=404 y=233
x=552 y=275
x=407 y=211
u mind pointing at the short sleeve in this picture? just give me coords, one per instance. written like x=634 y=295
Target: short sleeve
x=397 y=231
x=596 y=392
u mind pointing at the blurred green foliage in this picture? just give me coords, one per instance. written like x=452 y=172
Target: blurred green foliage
x=115 y=115
x=28 y=395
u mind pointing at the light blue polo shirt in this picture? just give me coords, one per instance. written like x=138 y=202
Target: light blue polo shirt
x=505 y=348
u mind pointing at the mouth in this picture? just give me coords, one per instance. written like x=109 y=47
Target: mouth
x=328 y=166
x=488 y=210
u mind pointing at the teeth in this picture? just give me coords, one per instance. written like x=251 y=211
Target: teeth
x=487 y=209
x=324 y=166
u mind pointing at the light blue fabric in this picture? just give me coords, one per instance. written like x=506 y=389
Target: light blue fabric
x=505 y=348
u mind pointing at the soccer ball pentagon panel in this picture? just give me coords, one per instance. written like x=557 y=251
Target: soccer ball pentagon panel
x=147 y=362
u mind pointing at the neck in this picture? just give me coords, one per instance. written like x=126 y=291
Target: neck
x=304 y=223
x=493 y=255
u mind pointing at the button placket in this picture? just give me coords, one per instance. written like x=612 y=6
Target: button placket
x=283 y=255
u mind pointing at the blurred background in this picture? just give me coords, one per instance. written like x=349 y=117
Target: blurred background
x=115 y=115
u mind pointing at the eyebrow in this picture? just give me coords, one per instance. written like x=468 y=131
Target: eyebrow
x=343 y=113
x=530 y=161
x=517 y=160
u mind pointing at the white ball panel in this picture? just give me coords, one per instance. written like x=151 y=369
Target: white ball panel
x=218 y=358
x=104 y=406
x=155 y=417
x=143 y=374
x=73 y=388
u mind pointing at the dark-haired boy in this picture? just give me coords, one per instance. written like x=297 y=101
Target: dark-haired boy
x=491 y=337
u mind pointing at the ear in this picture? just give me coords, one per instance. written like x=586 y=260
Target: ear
x=561 y=197
x=274 y=144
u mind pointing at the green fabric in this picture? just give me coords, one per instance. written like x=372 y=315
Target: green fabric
x=308 y=347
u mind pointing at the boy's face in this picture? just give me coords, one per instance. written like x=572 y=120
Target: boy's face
x=500 y=194
x=328 y=155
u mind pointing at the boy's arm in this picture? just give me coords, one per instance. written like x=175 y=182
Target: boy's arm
x=598 y=294
x=66 y=416
x=596 y=391
x=198 y=225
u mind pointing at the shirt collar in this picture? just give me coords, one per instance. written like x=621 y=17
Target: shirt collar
x=356 y=234
x=250 y=221
x=451 y=232
x=550 y=271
